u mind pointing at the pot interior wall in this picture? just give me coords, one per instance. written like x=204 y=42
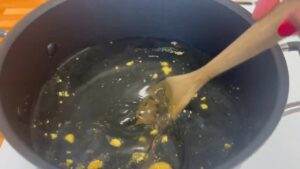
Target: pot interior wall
x=74 y=25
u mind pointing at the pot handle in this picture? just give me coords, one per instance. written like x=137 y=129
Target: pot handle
x=291 y=46
x=292 y=107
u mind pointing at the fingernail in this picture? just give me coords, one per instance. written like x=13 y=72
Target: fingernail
x=286 y=28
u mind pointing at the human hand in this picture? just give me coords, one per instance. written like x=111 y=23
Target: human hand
x=289 y=26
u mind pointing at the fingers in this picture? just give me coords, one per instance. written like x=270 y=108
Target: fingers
x=288 y=26
x=295 y=18
x=263 y=7
x=291 y=24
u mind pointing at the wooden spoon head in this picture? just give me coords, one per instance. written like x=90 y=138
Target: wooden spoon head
x=167 y=99
x=155 y=106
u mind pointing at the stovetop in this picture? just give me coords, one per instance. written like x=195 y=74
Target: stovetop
x=281 y=150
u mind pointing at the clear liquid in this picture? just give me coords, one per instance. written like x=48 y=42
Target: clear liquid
x=94 y=92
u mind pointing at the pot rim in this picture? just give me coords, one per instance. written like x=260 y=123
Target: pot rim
x=283 y=88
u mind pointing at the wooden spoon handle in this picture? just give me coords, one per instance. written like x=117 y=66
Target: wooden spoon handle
x=259 y=37
x=1 y=139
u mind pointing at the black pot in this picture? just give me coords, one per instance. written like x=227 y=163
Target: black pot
x=66 y=27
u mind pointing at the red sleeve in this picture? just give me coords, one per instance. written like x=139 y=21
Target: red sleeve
x=263 y=7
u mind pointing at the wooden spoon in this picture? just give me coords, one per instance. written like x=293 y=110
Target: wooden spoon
x=179 y=90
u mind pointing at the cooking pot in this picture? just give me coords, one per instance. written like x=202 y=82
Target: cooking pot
x=34 y=49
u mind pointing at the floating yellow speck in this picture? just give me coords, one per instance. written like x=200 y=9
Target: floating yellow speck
x=69 y=162
x=166 y=69
x=154 y=76
x=58 y=79
x=203 y=98
x=130 y=63
x=138 y=157
x=164 y=63
x=63 y=94
x=154 y=132
x=164 y=139
x=203 y=106
x=116 y=142
x=70 y=138
x=227 y=146
x=160 y=165
x=53 y=136
x=60 y=102
x=142 y=139
x=95 y=164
